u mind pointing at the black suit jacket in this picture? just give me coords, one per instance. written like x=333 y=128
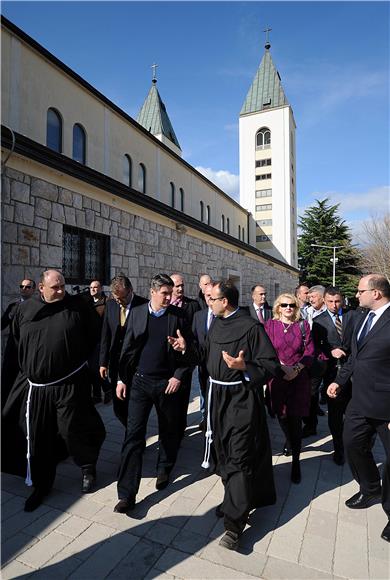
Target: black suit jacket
x=189 y=307
x=113 y=334
x=136 y=336
x=326 y=337
x=267 y=312
x=369 y=367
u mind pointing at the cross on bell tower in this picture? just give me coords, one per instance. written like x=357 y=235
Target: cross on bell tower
x=267 y=42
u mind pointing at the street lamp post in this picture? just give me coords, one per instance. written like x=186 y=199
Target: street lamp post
x=333 y=259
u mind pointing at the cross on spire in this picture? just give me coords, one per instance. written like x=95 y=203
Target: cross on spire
x=153 y=67
x=267 y=42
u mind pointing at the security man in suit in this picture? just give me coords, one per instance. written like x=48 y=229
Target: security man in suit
x=152 y=370
x=332 y=334
x=259 y=309
x=113 y=332
x=368 y=411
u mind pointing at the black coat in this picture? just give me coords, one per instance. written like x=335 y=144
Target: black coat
x=189 y=307
x=112 y=332
x=369 y=367
x=136 y=336
x=326 y=337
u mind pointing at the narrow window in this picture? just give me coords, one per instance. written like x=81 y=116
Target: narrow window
x=141 y=178
x=172 y=194
x=181 y=199
x=227 y=225
x=243 y=234
x=222 y=222
x=208 y=215
x=127 y=170
x=201 y=211
x=54 y=130
x=79 y=144
x=239 y=232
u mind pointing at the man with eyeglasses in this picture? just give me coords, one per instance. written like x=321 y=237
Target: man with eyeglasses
x=239 y=358
x=368 y=411
x=9 y=368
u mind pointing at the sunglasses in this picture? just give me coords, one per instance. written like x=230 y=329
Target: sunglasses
x=284 y=305
x=27 y=286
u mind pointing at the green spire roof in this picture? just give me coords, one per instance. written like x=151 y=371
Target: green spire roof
x=266 y=91
x=154 y=117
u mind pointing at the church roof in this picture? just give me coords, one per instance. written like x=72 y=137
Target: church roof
x=154 y=118
x=266 y=91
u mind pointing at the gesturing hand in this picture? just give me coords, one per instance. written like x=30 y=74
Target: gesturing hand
x=177 y=343
x=232 y=362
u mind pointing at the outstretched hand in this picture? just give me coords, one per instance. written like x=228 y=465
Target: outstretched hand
x=177 y=343
x=232 y=362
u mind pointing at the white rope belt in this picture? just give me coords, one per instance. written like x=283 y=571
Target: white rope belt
x=28 y=480
x=209 y=432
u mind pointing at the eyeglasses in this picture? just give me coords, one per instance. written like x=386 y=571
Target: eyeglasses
x=366 y=290
x=214 y=299
x=27 y=286
x=284 y=305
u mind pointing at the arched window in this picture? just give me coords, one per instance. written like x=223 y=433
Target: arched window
x=181 y=199
x=54 y=130
x=263 y=138
x=243 y=234
x=172 y=194
x=79 y=143
x=222 y=222
x=201 y=211
x=127 y=170
x=208 y=215
x=239 y=232
x=227 y=225
x=142 y=178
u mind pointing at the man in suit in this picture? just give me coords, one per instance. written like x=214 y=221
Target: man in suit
x=200 y=327
x=259 y=309
x=302 y=293
x=113 y=332
x=189 y=308
x=332 y=333
x=152 y=370
x=204 y=281
x=368 y=411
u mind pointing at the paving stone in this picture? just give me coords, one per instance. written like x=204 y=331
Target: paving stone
x=177 y=563
x=279 y=569
x=139 y=560
x=73 y=526
x=58 y=568
x=189 y=542
x=16 y=570
x=44 y=550
x=162 y=533
x=15 y=546
x=154 y=574
x=21 y=520
x=87 y=542
x=251 y=563
x=48 y=522
x=108 y=517
x=105 y=558
x=317 y=552
x=14 y=505
x=351 y=558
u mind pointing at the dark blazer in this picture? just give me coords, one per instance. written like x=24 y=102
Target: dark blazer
x=136 y=336
x=112 y=332
x=326 y=337
x=267 y=312
x=369 y=367
x=189 y=307
x=9 y=313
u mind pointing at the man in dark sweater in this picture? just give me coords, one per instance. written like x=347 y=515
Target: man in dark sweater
x=155 y=371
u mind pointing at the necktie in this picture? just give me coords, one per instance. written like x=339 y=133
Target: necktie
x=210 y=319
x=366 y=328
x=339 y=325
x=260 y=316
x=123 y=315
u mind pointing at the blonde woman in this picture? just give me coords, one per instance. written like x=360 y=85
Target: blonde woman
x=290 y=396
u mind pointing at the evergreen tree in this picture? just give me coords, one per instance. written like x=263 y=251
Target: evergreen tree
x=322 y=225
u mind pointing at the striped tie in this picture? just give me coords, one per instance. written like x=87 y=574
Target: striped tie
x=339 y=325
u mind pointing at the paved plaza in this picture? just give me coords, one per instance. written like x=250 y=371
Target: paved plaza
x=174 y=533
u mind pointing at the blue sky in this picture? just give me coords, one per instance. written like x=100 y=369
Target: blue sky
x=333 y=58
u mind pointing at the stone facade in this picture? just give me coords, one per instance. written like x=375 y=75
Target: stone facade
x=34 y=212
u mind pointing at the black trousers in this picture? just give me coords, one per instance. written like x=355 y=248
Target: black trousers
x=120 y=407
x=336 y=408
x=144 y=393
x=358 y=436
x=292 y=429
x=184 y=398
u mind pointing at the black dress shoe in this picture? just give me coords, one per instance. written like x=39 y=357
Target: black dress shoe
x=162 y=481
x=308 y=431
x=35 y=499
x=218 y=511
x=338 y=458
x=88 y=478
x=287 y=449
x=124 y=505
x=229 y=540
x=386 y=532
x=360 y=501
